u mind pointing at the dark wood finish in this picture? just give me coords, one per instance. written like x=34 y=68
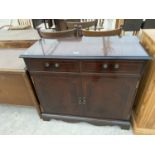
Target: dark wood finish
x=81 y=25
x=102 y=48
x=115 y=66
x=95 y=121
x=53 y=65
x=105 y=94
x=49 y=34
x=87 y=79
x=62 y=93
x=115 y=32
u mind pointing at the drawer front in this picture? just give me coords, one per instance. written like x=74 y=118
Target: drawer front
x=53 y=65
x=129 y=67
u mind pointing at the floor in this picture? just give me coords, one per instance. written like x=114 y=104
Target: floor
x=25 y=121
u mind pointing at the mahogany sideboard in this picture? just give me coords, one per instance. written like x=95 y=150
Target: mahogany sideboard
x=144 y=111
x=93 y=79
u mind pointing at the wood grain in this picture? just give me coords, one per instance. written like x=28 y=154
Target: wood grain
x=18 y=38
x=15 y=87
x=144 y=112
x=82 y=89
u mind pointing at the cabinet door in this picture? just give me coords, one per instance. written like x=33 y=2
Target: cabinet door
x=109 y=97
x=58 y=93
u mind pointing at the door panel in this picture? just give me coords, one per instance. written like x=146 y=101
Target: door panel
x=109 y=97
x=58 y=93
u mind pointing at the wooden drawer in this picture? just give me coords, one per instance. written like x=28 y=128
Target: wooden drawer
x=129 y=67
x=53 y=65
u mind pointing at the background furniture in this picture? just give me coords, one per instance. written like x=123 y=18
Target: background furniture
x=115 y=32
x=91 y=79
x=83 y=25
x=49 y=34
x=15 y=87
x=48 y=22
x=119 y=23
x=144 y=112
x=22 y=24
x=37 y=22
x=60 y=24
x=25 y=22
x=148 y=24
x=18 y=38
x=132 y=25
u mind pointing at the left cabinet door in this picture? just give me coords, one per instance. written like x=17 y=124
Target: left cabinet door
x=58 y=93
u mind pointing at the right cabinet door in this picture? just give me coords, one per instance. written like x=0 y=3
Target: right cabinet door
x=109 y=97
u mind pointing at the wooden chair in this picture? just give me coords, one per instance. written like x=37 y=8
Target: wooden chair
x=115 y=32
x=132 y=25
x=148 y=24
x=83 y=25
x=60 y=24
x=23 y=24
x=27 y=22
x=48 y=34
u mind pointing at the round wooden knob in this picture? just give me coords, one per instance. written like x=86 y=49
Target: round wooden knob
x=56 y=65
x=105 y=66
x=47 y=65
x=116 y=66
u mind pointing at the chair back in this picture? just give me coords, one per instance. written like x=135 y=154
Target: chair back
x=149 y=24
x=25 y=22
x=132 y=24
x=48 y=34
x=115 y=32
x=83 y=25
x=60 y=24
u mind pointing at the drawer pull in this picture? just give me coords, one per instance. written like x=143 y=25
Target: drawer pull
x=116 y=66
x=105 y=66
x=56 y=65
x=47 y=65
x=80 y=100
x=84 y=100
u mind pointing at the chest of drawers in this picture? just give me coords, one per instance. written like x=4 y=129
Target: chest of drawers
x=84 y=80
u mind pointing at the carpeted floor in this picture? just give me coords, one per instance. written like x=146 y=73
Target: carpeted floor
x=25 y=120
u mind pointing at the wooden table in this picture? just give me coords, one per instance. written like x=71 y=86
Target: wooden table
x=93 y=79
x=144 y=112
x=18 y=38
x=15 y=87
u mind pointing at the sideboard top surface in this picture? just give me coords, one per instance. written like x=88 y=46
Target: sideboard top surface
x=127 y=47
